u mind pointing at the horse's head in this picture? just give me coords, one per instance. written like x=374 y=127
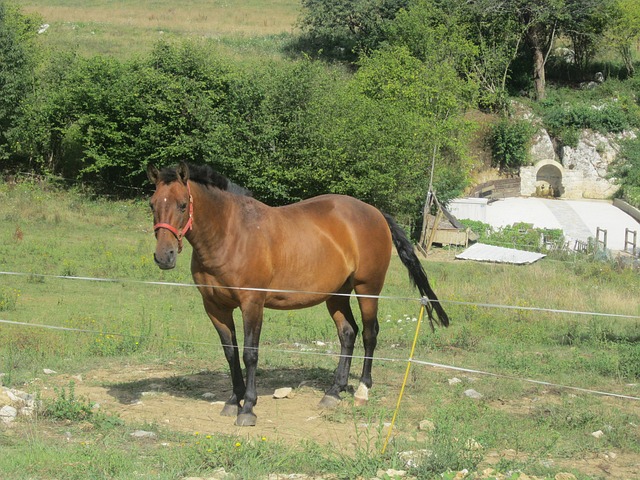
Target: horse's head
x=172 y=207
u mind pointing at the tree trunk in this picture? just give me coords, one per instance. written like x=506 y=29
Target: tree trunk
x=538 y=73
x=535 y=38
x=625 y=51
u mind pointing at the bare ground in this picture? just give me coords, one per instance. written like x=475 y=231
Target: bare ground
x=162 y=395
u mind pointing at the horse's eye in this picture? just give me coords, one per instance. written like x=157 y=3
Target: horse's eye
x=182 y=207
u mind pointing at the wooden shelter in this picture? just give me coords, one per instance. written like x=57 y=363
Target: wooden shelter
x=442 y=228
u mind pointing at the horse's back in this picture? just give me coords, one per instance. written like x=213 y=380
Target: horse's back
x=339 y=234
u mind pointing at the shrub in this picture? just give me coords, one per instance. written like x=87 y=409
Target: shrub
x=66 y=406
x=509 y=140
x=519 y=235
x=626 y=170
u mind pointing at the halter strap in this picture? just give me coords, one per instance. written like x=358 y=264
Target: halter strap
x=179 y=234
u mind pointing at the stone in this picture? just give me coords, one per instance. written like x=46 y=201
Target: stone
x=8 y=414
x=471 y=393
x=427 y=425
x=5 y=399
x=597 y=434
x=564 y=476
x=461 y=474
x=413 y=458
x=285 y=392
x=391 y=473
x=48 y=371
x=143 y=434
x=472 y=444
x=454 y=381
x=581 y=170
x=542 y=146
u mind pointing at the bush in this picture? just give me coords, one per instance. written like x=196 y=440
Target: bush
x=611 y=107
x=626 y=170
x=519 y=235
x=509 y=140
x=66 y=406
x=17 y=34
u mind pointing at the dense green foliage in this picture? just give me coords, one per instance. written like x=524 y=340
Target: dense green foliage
x=613 y=107
x=510 y=141
x=16 y=68
x=292 y=129
x=522 y=236
x=626 y=170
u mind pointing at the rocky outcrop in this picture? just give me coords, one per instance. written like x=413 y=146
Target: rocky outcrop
x=577 y=172
x=587 y=165
x=568 y=172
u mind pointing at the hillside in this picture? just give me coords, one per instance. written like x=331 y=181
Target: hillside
x=127 y=28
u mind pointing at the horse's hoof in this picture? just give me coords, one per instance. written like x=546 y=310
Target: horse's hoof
x=329 y=401
x=246 y=420
x=229 y=410
x=361 y=397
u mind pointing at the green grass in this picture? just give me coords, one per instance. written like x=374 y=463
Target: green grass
x=50 y=232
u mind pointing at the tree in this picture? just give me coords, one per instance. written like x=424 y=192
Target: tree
x=538 y=21
x=17 y=61
x=624 y=30
x=353 y=25
x=434 y=91
x=584 y=23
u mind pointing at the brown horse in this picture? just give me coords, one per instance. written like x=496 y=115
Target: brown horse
x=250 y=256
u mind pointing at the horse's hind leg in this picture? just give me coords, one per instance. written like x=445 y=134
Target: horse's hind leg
x=342 y=315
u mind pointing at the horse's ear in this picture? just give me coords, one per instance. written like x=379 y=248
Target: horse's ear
x=152 y=173
x=182 y=171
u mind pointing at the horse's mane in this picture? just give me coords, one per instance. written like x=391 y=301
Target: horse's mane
x=205 y=175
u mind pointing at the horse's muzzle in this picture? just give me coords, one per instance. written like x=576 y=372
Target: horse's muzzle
x=166 y=260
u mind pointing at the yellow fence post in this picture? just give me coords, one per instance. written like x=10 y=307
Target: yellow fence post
x=425 y=302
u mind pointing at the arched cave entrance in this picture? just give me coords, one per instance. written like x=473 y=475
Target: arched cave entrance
x=549 y=181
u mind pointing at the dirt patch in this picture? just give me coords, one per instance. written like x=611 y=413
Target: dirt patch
x=192 y=403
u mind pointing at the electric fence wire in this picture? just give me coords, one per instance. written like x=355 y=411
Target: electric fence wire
x=332 y=354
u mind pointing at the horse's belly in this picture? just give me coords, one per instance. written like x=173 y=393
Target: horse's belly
x=294 y=300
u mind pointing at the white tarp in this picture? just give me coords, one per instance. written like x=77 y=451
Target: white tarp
x=490 y=253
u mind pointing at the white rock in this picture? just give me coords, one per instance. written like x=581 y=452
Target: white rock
x=143 y=434
x=48 y=371
x=391 y=473
x=8 y=413
x=285 y=392
x=597 y=434
x=209 y=396
x=427 y=425
x=542 y=146
x=454 y=381
x=413 y=459
x=471 y=393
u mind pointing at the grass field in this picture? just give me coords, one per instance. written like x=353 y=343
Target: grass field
x=125 y=323
x=127 y=28
x=114 y=341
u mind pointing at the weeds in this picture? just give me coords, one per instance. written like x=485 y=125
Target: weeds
x=66 y=406
x=8 y=299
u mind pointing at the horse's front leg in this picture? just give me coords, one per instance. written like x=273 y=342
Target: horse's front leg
x=252 y=317
x=223 y=322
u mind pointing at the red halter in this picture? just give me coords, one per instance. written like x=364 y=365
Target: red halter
x=177 y=233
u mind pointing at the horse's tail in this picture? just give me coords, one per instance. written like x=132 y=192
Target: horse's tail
x=417 y=275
